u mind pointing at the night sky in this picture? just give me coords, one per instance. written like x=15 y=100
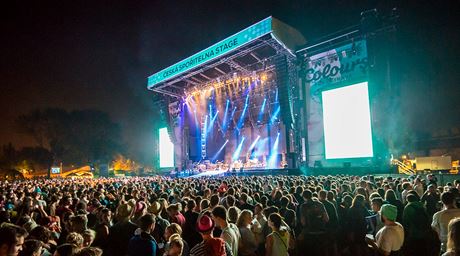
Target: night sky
x=98 y=54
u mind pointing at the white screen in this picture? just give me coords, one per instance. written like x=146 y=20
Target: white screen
x=166 y=149
x=347 y=122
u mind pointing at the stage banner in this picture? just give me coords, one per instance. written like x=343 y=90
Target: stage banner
x=334 y=68
x=239 y=39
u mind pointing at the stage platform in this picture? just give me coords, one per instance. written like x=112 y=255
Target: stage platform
x=256 y=172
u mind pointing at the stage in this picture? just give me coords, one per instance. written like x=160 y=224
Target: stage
x=262 y=102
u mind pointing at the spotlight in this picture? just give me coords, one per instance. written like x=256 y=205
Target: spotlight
x=263 y=77
x=220 y=150
x=254 y=143
x=237 y=152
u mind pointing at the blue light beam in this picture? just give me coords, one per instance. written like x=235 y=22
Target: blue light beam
x=261 y=112
x=218 y=152
x=274 y=154
x=237 y=152
x=224 y=122
x=254 y=143
x=275 y=115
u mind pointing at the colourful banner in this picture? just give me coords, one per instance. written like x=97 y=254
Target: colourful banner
x=337 y=67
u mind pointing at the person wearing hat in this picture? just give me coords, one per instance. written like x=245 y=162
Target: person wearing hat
x=122 y=231
x=390 y=238
x=160 y=223
x=210 y=246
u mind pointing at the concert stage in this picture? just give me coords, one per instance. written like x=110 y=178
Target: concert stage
x=260 y=100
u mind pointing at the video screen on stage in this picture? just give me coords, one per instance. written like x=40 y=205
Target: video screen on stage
x=166 y=149
x=347 y=122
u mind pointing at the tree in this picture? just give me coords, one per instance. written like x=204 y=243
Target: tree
x=34 y=159
x=121 y=163
x=75 y=137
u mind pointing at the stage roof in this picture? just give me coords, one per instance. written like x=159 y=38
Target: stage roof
x=249 y=50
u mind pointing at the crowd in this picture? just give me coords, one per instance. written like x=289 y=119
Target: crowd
x=247 y=216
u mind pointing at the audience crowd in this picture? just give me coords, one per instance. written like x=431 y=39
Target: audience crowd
x=247 y=216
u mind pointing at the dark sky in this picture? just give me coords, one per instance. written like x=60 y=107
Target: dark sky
x=98 y=54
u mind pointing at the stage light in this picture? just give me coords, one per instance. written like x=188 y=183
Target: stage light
x=275 y=115
x=261 y=112
x=237 y=152
x=224 y=122
x=263 y=77
x=241 y=120
x=274 y=153
x=218 y=152
x=233 y=112
x=254 y=143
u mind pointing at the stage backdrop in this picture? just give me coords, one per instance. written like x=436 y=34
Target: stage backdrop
x=342 y=66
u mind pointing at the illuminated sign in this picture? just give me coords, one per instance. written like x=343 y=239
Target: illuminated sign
x=233 y=42
x=166 y=149
x=55 y=170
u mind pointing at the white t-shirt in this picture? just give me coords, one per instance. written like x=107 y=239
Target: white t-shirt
x=390 y=238
x=404 y=195
x=441 y=221
x=419 y=190
x=231 y=235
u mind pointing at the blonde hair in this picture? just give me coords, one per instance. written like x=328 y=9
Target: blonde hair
x=175 y=229
x=75 y=238
x=243 y=215
x=453 y=236
x=178 y=243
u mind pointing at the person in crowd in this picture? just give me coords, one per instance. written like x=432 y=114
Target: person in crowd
x=121 y=233
x=176 y=248
x=277 y=243
x=390 y=197
x=430 y=198
x=51 y=209
x=210 y=246
x=406 y=188
x=175 y=216
x=230 y=232
x=374 y=221
x=102 y=228
x=190 y=234
x=420 y=238
x=143 y=243
x=453 y=238
x=357 y=226
x=89 y=251
x=419 y=187
x=11 y=239
x=442 y=218
x=233 y=213
x=389 y=240
x=78 y=223
x=160 y=225
x=32 y=247
x=66 y=250
x=174 y=232
x=88 y=237
x=248 y=242
x=75 y=239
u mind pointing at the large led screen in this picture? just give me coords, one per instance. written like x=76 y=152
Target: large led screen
x=166 y=148
x=347 y=122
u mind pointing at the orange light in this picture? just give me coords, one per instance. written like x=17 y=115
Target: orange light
x=263 y=77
